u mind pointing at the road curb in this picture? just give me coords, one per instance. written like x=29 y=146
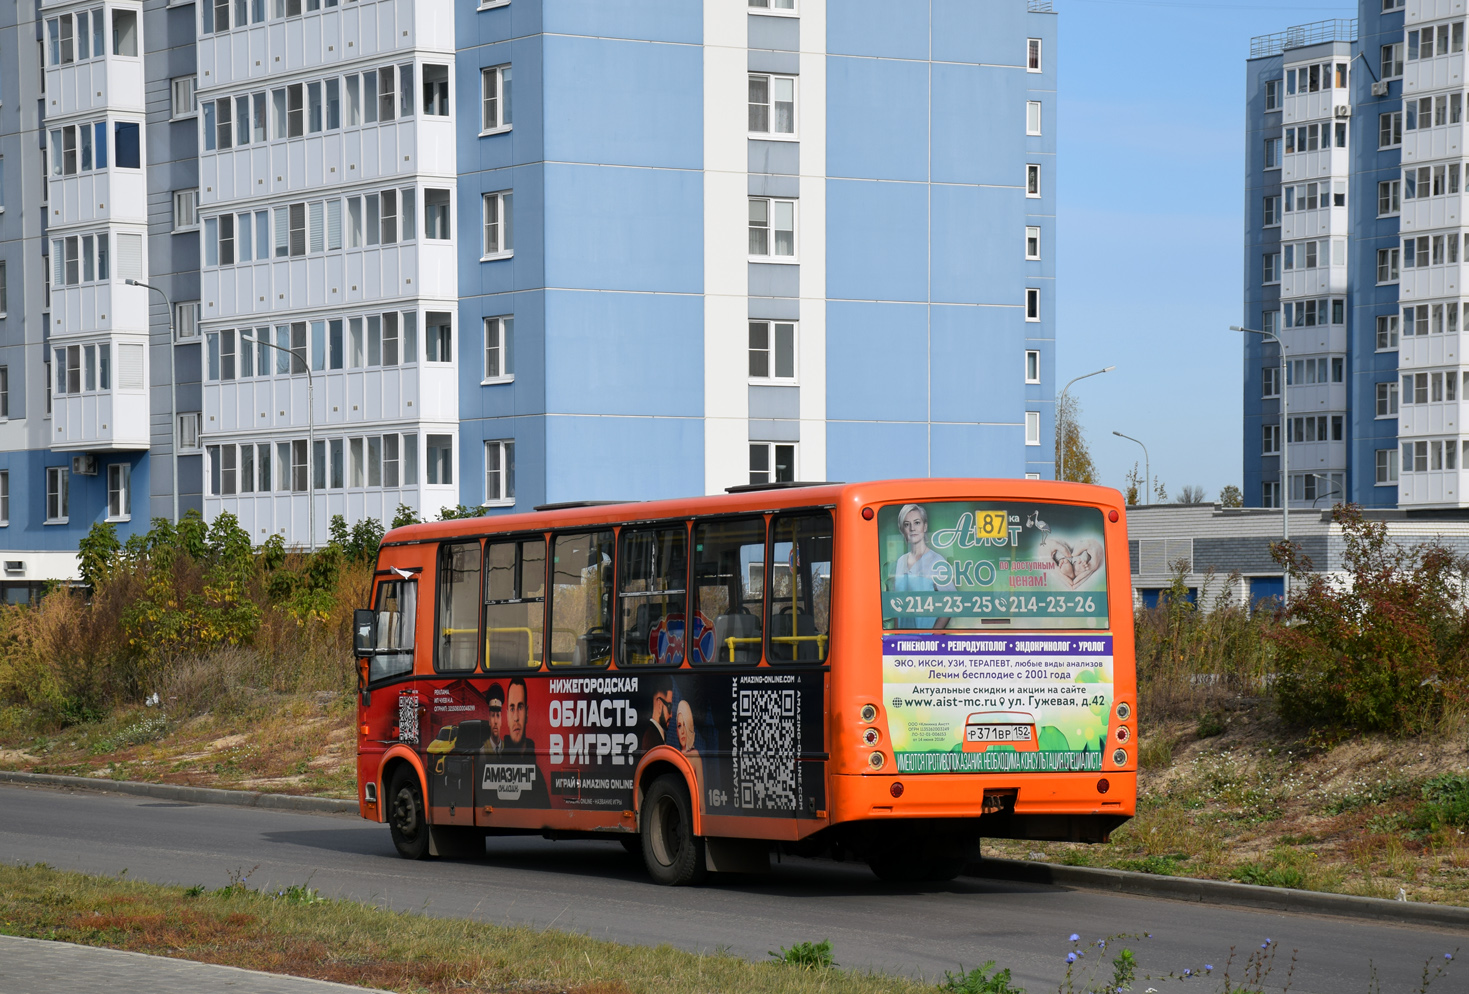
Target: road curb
x=1220 y=892
x=177 y=792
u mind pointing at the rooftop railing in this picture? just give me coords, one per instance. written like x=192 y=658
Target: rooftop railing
x=1039 y=6
x=1341 y=29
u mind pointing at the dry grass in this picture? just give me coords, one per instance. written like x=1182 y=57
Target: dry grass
x=1255 y=803
x=352 y=943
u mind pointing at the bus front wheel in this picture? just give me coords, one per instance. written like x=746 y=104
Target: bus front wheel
x=673 y=853
x=406 y=818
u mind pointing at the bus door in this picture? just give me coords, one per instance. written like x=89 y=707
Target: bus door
x=454 y=709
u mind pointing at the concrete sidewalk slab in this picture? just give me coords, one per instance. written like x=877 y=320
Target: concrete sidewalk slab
x=36 y=966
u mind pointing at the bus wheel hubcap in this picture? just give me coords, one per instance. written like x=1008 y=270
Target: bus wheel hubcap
x=405 y=813
x=666 y=838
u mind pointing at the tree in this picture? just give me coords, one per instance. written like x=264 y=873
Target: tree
x=1073 y=460
x=1134 y=488
x=1231 y=496
x=1190 y=494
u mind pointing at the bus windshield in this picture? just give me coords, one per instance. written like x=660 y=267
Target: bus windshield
x=992 y=564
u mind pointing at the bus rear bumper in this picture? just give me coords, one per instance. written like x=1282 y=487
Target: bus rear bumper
x=1001 y=797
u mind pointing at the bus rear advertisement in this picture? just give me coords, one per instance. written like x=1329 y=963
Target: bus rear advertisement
x=883 y=671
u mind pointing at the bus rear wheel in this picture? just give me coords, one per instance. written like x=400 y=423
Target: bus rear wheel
x=672 y=852
x=406 y=817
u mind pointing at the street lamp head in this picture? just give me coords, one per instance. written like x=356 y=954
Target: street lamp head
x=1106 y=369
x=131 y=282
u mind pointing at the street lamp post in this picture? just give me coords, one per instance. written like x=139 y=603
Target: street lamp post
x=1335 y=488
x=1284 y=445
x=173 y=393
x=1147 y=467
x=310 y=434
x=1061 y=397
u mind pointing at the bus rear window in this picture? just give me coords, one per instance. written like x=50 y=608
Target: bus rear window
x=800 y=588
x=992 y=564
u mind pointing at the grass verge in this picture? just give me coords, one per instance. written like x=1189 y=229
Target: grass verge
x=298 y=932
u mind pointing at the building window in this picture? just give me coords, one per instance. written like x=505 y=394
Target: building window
x=1033 y=55
x=1032 y=180
x=494 y=85
x=1415 y=457
x=4 y=291
x=438 y=337
x=435 y=85
x=119 y=492
x=1270 y=321
x=1032 y=243
x=184 y=102
x=1390 y=129
x=1269 y=382
x=185 y=209
x=1392 y=60
x=772 y=350
x=57 y=502
x=1390 y=5
x=1271 y=267
x=186 y=319
x=1032 y=427
x=1270 y=440
x=1032 y=304
x=772 y=101
x=774 y=4
x=1271 y=212
x=1032 y=366
x=1389 y=197
x=772 y=228
x=1387 y=400
x=499 y=230
x=1272 y=94
x=1387 y=332
x=4 y=497
x=1272 y=153
x=4 y=392
x=440 y=460
x=1032 y=117
x=500 y=472
x=1387 y=265
x=1270 y=494
x=499 y=333
x=772 y=462
x=189 y=427
x=435 y=215
x=1387 y=466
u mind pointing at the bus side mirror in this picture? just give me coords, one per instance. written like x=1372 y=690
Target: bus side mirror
x=364 y=632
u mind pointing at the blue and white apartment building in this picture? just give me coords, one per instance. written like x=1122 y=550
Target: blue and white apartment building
x=1355 y=245
x=511 y=253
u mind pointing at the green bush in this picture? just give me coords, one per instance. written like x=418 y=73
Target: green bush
x=1445 y=803
x=980 y=981
x=807 y=955
x=1383 y=651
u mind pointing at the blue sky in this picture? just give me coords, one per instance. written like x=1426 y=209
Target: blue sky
x=1150 y=225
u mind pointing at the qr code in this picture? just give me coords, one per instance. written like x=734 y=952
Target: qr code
x=765 y=741
x=408 y=718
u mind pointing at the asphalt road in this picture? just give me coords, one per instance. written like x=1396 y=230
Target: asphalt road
x=596 y=889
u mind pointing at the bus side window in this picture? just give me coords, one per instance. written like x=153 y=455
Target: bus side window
x=729 y=583
x=459 y=567
x=800 y=588
x=397 y=616
x=515 y=604
x=581 y=591
x=652 y=596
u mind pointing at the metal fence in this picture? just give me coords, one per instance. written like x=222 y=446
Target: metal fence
x=1341 y=29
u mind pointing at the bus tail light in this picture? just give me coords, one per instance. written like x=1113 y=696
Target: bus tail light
x=896 y=789
x=876 y=760
x=1119 y=757
x=870 y=737
x=869 y=712
x=1124 y=711
x=1124 y=733
x=1103 y=786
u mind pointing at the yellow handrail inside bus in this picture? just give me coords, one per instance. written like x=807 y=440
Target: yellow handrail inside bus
x=732 y=641
x=530 y=659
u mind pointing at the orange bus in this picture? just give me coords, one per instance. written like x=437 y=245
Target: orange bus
x=882 y=671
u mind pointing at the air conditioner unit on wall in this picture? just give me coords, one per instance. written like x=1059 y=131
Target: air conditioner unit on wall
x=1342 y=110
x=84 y=464
x=1379 y=89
